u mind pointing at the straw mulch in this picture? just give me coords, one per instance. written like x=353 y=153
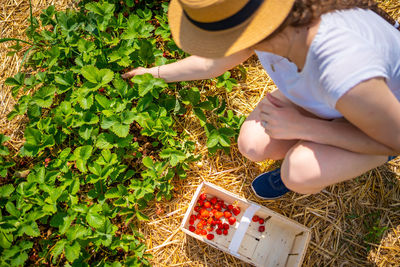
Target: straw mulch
x=342 y=217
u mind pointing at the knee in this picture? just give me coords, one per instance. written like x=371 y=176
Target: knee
x=250 y=149
x=298 y=172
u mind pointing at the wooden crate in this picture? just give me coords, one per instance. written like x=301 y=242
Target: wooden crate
x=284 y=242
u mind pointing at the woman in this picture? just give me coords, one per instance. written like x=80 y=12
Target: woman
x=337 y=67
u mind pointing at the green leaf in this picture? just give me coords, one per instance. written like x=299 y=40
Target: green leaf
x=67 y=220
x=105 y=76
x=121 y=130
x=200 y=114
x=141 y=216
x=213 y=139
x=147 y=83
x=10 y=207
x=96 y=76
x=72 y=252
x=85 y=131
x=76 y=232
x=105 y=141
x=175 y=156
x=44 y=96
x=20 y=259
x=6 y=190
x=90 y=73
x=31 y=229
x=6 y=240
x=58 y=248
x=95 y=220
x=83 y=152
x=148 y=162
x=190 y=96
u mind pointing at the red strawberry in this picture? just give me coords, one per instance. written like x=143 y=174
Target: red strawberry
x=232 y=220
x=217 y=207
x=213 y=200
x=207 y=205
x=200 y=225
x=218 y=231
x=198 y=231
x=200 y=203
x=197 y=208
x=219 y=214
x=205 y=213
x=261 y=228
x=210 y=228
x=261 y=221
x=204 y=232
x=227 y=214
x=226 y=226
x=191 y=222
x=210 y=220
x=203 y=196
x=192 y=228
x=225 y=232
x=224 y=206
x=236 y=211
x=210 y=236
x=193 y=217
x=230 y=207
x=255 y=218
x=101 y=90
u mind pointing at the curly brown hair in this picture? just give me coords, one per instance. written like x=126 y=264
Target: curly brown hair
x=305 y=11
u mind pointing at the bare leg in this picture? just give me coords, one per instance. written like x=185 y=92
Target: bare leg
x=309 y=167
x=255 y=144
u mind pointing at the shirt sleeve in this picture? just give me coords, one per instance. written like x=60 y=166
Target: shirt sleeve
x=345 y=59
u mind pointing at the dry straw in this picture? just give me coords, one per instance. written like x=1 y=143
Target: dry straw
x=341 y=216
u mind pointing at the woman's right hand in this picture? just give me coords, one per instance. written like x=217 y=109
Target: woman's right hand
x=137 y=71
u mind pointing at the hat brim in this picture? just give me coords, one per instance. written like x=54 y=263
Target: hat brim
x=216 y=44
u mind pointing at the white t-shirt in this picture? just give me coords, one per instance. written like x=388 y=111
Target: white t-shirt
x=350 y=46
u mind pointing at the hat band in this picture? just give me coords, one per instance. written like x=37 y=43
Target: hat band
x=230 y=22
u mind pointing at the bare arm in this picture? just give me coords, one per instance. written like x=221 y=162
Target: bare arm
x=193 y=67
x=373 y=126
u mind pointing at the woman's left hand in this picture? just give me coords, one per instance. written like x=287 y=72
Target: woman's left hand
x=281 y=120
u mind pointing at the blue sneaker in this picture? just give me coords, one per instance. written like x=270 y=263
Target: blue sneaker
x=269 y=185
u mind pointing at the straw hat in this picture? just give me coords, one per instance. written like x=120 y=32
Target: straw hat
x=217 y=28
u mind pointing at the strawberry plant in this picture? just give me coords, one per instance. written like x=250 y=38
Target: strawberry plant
x=98 y=148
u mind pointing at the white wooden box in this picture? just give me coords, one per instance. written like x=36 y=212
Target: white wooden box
x=283 y=243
